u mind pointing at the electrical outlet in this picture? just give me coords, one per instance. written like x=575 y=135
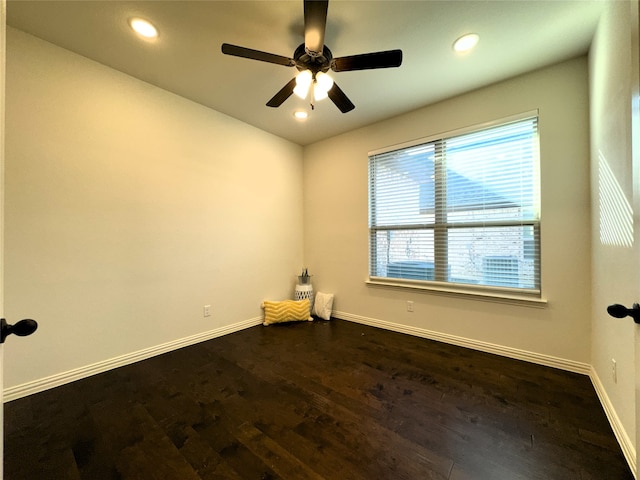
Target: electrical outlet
x=614 y=370
x=409 y=306
x=206 y=310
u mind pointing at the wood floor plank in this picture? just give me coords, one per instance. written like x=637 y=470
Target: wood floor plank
x=138 y=445
x=328 y=405
x=204 y=458
x=371 y=379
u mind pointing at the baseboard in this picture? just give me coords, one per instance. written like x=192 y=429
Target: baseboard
x=29 y=388
x=625 y=442
x=515 y=353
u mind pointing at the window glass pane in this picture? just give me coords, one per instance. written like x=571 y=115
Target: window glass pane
x=491 y=174
x=402 y=191
x=494 y=256
x=403 y=254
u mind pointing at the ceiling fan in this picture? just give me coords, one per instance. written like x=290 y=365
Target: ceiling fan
x=313 y=59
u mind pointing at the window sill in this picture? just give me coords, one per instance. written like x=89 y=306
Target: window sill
x=480 y=293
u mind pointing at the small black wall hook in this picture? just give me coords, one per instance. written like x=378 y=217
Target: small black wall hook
x=22 y=328
x=620 y=311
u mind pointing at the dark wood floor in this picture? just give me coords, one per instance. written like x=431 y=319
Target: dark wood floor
x=321 y=400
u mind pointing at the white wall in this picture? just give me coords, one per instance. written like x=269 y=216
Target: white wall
x=336 y=230
x=613 y=264
x=128 y=209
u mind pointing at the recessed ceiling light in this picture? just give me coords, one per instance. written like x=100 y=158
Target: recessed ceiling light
x=143 y=27
x=300 y=114
x=466 y=42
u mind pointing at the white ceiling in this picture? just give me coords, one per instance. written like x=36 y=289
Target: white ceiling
x=516 y=36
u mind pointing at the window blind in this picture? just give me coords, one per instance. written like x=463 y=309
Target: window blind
x=461 y=209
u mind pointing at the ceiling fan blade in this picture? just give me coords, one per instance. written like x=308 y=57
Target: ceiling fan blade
x=315 y=22
x=338 y=97
x=279 y=98
x=243 y=52
x=367 y=61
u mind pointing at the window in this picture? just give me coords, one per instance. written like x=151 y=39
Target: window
x=461 y=209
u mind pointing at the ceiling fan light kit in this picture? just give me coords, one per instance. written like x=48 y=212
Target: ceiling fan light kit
x=324 y=81
x=320 y=82
x=303 y=83
x=314 y=59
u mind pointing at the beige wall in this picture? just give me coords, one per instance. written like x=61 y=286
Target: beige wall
x=336 y=230
x=128 y=209
x=616 y=277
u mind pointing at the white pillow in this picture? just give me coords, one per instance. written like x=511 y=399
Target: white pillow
x=323 y=305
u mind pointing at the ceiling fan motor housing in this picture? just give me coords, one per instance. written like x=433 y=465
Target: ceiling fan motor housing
x=311 y=61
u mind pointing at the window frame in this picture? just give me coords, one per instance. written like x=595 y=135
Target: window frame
x=441 y=228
